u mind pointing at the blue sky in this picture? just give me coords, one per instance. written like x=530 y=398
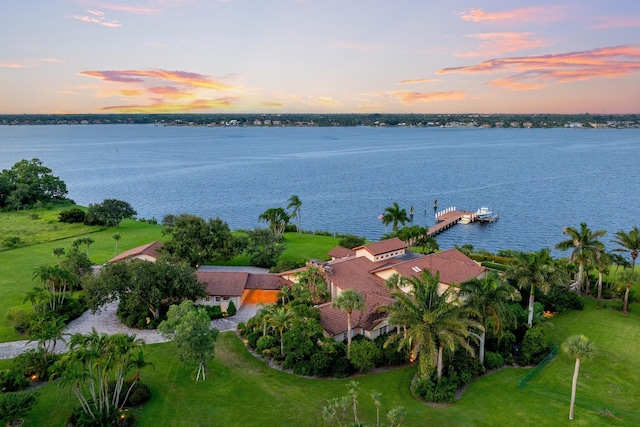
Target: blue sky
x=319 y=56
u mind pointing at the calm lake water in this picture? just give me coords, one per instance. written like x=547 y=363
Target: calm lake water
x=538 y=179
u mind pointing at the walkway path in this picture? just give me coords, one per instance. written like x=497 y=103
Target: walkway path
x=107 y=322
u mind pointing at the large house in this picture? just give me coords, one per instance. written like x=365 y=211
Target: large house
x=366 y=270
x=148 y=252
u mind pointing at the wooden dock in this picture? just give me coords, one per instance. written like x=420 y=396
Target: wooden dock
x=448 y=218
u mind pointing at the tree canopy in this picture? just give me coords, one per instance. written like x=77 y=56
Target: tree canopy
x=198 y=241
x=28 y=183
x=145 y=290
x=110 y=213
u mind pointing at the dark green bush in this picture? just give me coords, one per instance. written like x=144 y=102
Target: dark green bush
x=14 y=406
x=286 y=265
x=493 y=360
x=560 y=299
x=20 y=319
x=214 y=311
x=12 y=380
x=34 y=363
x=391 y=354
x=140 y=393
x=231 y=309
x=71 y=216
x=351 y=241
x=365 y=355
x=252 y=338
x=535 y=346
x=429 y=390
x=267 y=342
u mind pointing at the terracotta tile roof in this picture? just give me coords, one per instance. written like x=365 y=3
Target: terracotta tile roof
x=453 y=265
x=150 y=249
x=334 y=321
x=266 y=282
x=383 y=246
x=340 y=252
x=231 y=283
x=224 y=284
x=355 y=273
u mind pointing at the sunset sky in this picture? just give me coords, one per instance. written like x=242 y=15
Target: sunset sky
x=319 y=56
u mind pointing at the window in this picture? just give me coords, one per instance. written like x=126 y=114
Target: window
x=345 y=336
x=207 y=298
x=383 y=330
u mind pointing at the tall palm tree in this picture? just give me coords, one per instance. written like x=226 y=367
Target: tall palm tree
x=434 y=322
x=580 y=348
x=116 y=237
x=348 y=301
x=58 y=252
x=277 y=218
x=585 y=247
x=628 y=242
x=490 y=296
x=533 y=270
x=628 y=278
x=394 y=215
x=295 y=203
x=312 y=284
x=280 y=318
x=602 y=265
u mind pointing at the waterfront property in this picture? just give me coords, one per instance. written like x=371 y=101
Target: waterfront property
x=366 y=269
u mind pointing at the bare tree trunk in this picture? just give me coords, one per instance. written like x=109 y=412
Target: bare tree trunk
x=625 y=304
x=440 y=363
x=482 y=341
x=574 y=385
x=531 y=302
x=599 y=289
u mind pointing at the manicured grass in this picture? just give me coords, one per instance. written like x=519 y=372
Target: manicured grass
x=39 y=225
x=17 y=265
x=242 y=390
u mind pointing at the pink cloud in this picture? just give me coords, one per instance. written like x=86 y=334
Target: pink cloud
x=499 y=43
x=165 y=107
x=417 y=81
x=189 y=79
x=533 y=72
x=538 y=14
x=97 y=18
x=410 y=97
x=622 y=22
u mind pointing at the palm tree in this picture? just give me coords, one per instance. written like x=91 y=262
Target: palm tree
x=433 y=321
x=585 y=245
x=533 y=270
x=295 y=203
x=58 y=252
x=602 y=265
x=394 y=215
x=277 y=218
x=578 y=347
x=348 y=301
x=490 y=296
x=116 y=237
x=280 y=318
x=628 y=277
x=312 y=284
x=628 y=242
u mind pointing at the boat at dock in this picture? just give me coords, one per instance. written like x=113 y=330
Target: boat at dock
x=484 y=213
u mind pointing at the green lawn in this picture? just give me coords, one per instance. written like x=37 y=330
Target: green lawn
x=241 y=390
x=17 y=265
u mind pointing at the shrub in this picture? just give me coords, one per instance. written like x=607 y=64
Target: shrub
x=322 y=363
x=286 y=265
x=14 y=406
x=351 y=241
x=12 y=380
x=561 y=299
x=214 y=311
x=391 y=354
x=365 y=355
x=535 y=346
x=493 y=360
x=252 y=339
x=430 y=390
x=11 y=241
x=267 y=343
x=141 y=393
x=231 y=309
x=72 y=216
x=33 y=363
x=20 y=319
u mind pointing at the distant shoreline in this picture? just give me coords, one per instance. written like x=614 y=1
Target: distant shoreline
x=510 y=121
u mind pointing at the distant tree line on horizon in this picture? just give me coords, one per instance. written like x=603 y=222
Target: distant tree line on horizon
x=322 y=120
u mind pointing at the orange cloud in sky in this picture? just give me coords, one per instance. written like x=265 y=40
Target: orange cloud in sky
x=138 y=76
x=162 y=107
x=410 y=97
x=499 y=43
x=532 y=72
x=539 y=13
x=417 y=81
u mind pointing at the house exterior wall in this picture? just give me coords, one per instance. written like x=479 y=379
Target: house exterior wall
x=220 y=301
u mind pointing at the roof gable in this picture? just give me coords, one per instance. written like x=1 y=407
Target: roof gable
x=453 y=266
x=334 y=321
x=150 y=250
x=383 y=246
